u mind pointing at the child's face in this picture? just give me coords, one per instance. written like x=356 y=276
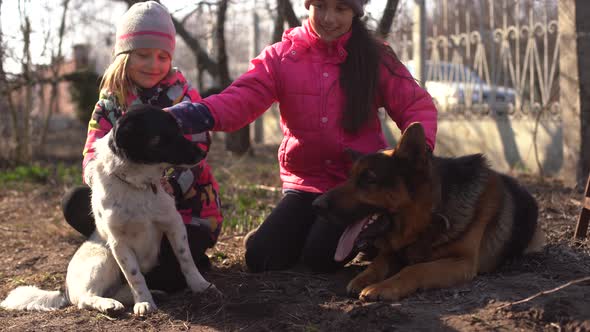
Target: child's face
x=148 y=66
x=330 y=19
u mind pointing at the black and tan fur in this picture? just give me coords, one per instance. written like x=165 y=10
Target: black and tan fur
x=489 y=217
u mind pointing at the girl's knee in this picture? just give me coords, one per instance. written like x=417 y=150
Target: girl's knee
x=254 y=261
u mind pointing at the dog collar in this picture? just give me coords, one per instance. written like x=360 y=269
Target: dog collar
x=445 y=219
x=150 y=185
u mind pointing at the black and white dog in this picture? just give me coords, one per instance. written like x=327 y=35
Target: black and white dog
x=132 y=213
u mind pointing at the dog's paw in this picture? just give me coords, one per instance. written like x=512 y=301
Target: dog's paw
x=357 y=284
x=202 y=286
x=143 y=308
x=212 y=290
x=382 y=292
x=110 y=307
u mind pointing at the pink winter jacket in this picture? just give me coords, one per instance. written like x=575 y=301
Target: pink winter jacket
x=302 y=73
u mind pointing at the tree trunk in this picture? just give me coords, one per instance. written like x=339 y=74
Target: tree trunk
x=384 y=26
x=5 y=146
x=238 y=141
x=288 y=13
x=56 y=63
x=583 y=29
x=24 y=149
x=279 y=26
x=254 y=49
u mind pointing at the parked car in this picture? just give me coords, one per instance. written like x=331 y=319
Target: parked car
x=454 y=85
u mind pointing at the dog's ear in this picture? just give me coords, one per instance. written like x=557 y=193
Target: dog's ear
x=122 y=134
x=412 y=145
x=353 y=154
x=113 y=139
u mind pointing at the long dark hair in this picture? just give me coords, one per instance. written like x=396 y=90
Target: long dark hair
x=359 y=74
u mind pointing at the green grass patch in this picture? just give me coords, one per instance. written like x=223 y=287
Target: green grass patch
x=36 y=174
x=58 y=173
x=246 y=208
x=241 y=223
x=16 y=281
x=69 y=174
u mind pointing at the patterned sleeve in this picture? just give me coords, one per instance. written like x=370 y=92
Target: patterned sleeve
x=190 y=94
x=183 y=178
x=101 y=122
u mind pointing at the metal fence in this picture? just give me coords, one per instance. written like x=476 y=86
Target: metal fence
x=490 y=57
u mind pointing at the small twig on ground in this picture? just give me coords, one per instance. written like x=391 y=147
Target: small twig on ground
x=261 y=187
x=228 y=237
x=107 y=317
x=545 y=292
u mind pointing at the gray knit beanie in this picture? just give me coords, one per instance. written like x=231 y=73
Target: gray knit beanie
x=356 y=5
x=146 y=25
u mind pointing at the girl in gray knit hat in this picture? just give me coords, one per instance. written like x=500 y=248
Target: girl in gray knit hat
x=329 y=76
x=141 y=73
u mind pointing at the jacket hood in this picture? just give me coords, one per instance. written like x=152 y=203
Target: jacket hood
x=304 y=37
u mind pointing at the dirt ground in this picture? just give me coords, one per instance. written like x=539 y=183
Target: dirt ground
x=36 y=244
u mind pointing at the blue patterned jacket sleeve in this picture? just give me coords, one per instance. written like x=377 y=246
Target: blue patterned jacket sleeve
x=193 y=118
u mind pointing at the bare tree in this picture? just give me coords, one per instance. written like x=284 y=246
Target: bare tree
x=285 y=13
x=4 y=147
x=222 y=62
x=582 y=29
x=21 y=113
x=7 y=82
x=386 y=21
x=239 y=141
x=55 y=79
x=288 y=13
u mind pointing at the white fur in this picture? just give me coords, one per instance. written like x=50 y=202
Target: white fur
x=130 y=222
x=35 y=299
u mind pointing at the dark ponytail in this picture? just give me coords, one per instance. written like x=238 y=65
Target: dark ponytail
x=359 y=74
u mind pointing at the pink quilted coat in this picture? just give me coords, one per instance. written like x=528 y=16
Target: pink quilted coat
x=301 y=72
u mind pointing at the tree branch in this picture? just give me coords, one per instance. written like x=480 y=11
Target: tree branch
x=384 y=26
x=545 y=292
x=288 y=14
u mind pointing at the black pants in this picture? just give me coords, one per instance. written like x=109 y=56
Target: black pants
x=166 y=276
x=294 y=232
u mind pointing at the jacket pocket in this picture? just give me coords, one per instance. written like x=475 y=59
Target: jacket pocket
x=303 y=155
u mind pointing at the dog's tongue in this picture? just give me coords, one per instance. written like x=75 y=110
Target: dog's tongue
x=347 y=239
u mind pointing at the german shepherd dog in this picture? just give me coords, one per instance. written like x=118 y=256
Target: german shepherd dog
x=437 y=222
x=132 y=213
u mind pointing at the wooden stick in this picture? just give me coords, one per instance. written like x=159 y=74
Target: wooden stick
x=545 y=292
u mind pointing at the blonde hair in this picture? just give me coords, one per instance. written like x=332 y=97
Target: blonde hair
x=115 y=79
